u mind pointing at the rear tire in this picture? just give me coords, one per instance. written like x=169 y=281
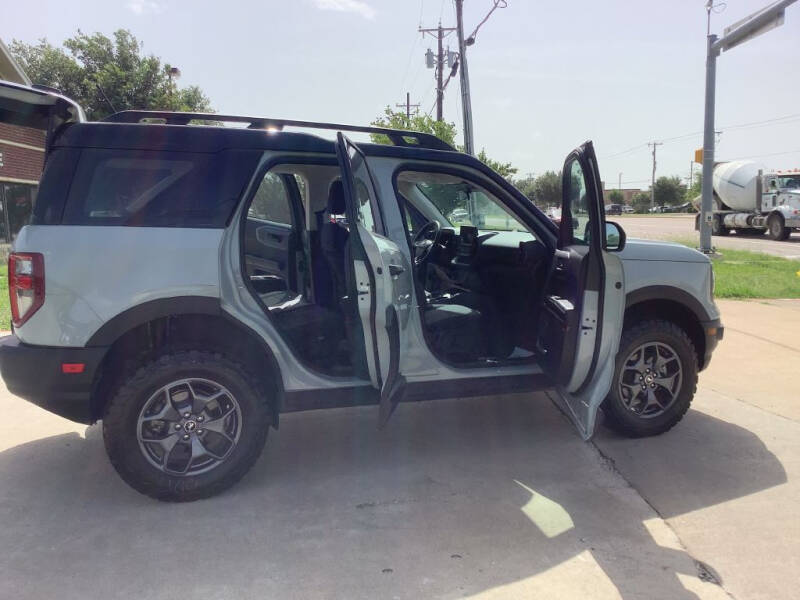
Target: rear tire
x=186 y=426
x=717 y=226
x=776 y=228
x=655 y=379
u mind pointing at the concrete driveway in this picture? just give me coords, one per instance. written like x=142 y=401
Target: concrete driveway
x=485 y=498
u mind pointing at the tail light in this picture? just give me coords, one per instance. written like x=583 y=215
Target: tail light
x=25 y=285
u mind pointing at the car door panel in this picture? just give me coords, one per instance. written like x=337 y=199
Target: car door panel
x=381 y=279
x=583 y=307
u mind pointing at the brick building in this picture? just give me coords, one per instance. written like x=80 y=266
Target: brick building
x=21 y=160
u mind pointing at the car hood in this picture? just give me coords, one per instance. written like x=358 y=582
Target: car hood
x=655 y=250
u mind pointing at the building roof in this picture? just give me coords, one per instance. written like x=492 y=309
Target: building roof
x=9 y=68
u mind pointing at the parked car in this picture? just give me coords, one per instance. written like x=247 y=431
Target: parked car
x=459 y=215
x=187 y=286
x=628 y=209
x=613 y=209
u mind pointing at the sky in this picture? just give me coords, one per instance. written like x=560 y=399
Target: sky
x=545 y=75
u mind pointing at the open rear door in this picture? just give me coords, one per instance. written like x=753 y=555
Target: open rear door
x=380 y=279
x=584 y=304
x=37 y=108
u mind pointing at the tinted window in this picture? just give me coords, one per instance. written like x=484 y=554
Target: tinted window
x=54 y=185
x=271 y=201
x=365 y=192
x=157 y=189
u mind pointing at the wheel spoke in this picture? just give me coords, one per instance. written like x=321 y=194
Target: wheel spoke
x=667 y=382
x=652 y=400
x=167 y=412
x=218 y=425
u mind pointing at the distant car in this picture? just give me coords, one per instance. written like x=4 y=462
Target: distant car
x=554 y=214
x=658 y=209
x=613 y=209
x=628 y=209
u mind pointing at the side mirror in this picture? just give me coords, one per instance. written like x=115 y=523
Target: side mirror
x=615 y=237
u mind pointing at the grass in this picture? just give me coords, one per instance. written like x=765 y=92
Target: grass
x=5 y=307
x=743 y=274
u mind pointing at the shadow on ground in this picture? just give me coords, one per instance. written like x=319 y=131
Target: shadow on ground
x=453 y=499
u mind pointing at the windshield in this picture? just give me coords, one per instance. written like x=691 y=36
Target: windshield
x=462 y=203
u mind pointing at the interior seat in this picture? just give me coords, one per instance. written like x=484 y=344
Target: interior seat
x=333 y=239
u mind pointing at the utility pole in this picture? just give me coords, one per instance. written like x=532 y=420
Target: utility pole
x=759 y=22
x=407 y=104
x=653 y=181
x=466 y=102
x=439 y=33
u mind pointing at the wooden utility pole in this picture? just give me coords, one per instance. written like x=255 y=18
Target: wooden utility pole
x=439 y=33
x=653 y=181
x=466 y=101
x=408 y=106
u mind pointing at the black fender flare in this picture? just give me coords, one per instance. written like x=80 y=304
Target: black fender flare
x=668 y=292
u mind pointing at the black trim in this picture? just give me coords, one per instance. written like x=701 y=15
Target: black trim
x=149 y=311
x=711 y=340
x=364 y=395
x=475 y=386
x=399 y=137
x=34 y=374
x=667 y=292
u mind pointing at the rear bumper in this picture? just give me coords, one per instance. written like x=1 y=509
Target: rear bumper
x=34 y=374
x=714 y=332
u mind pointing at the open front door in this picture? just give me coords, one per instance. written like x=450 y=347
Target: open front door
x=584 y=304
x=37 y=108
x=380 y=280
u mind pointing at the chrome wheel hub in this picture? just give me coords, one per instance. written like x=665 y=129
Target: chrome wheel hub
x=189 y=426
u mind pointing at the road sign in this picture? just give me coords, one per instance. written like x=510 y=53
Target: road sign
x=745 y=30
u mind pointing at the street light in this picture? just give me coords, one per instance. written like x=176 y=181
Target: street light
x=748 y=28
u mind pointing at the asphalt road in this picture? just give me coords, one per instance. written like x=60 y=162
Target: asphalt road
x=492 y=497
x=681 y=227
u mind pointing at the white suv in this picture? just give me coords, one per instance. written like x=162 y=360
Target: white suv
x=188 y=284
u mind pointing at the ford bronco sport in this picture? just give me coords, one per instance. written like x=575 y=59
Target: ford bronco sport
x=188 y=284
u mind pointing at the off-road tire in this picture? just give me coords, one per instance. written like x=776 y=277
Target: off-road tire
x=777 y=230
x=718 y=226
x=623 y=420
x=122 y=413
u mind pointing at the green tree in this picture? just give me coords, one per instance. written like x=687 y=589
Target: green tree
x=90 y=63
x=616 y=197
x=669 y=191
x=547 y=189
x=444 y=130
x=424 y=123
x=641 y=202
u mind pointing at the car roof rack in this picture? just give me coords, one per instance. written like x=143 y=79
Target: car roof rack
x=398 y=137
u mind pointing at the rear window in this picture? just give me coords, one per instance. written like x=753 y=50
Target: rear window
x=157 y=188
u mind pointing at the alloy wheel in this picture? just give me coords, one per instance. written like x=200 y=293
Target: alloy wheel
x=650 y=379
x=189 y=426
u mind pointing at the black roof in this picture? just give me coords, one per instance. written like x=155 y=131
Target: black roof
x=195 y=138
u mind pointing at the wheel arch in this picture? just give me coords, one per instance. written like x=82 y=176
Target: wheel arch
x=673 y=304
x=173 y=324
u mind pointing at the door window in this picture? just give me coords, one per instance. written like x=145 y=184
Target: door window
x=271 y=201
x=580 y=225
x=366 y=197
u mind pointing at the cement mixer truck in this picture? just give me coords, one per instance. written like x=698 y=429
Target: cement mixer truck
x=752 y=200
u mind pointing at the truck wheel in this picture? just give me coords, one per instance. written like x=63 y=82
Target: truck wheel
x=654 y=380
x=186 y=426
x=775 y=226
x=717 y=226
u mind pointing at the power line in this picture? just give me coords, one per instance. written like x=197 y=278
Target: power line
x=751 y=125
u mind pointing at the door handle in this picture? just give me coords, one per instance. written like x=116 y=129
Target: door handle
x=395 y=270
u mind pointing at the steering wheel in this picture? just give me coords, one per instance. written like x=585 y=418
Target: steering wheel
x=424 y=241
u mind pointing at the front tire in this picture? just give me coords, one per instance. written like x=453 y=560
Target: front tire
x=776 y=228
x=655 y=379
x=186 y=426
